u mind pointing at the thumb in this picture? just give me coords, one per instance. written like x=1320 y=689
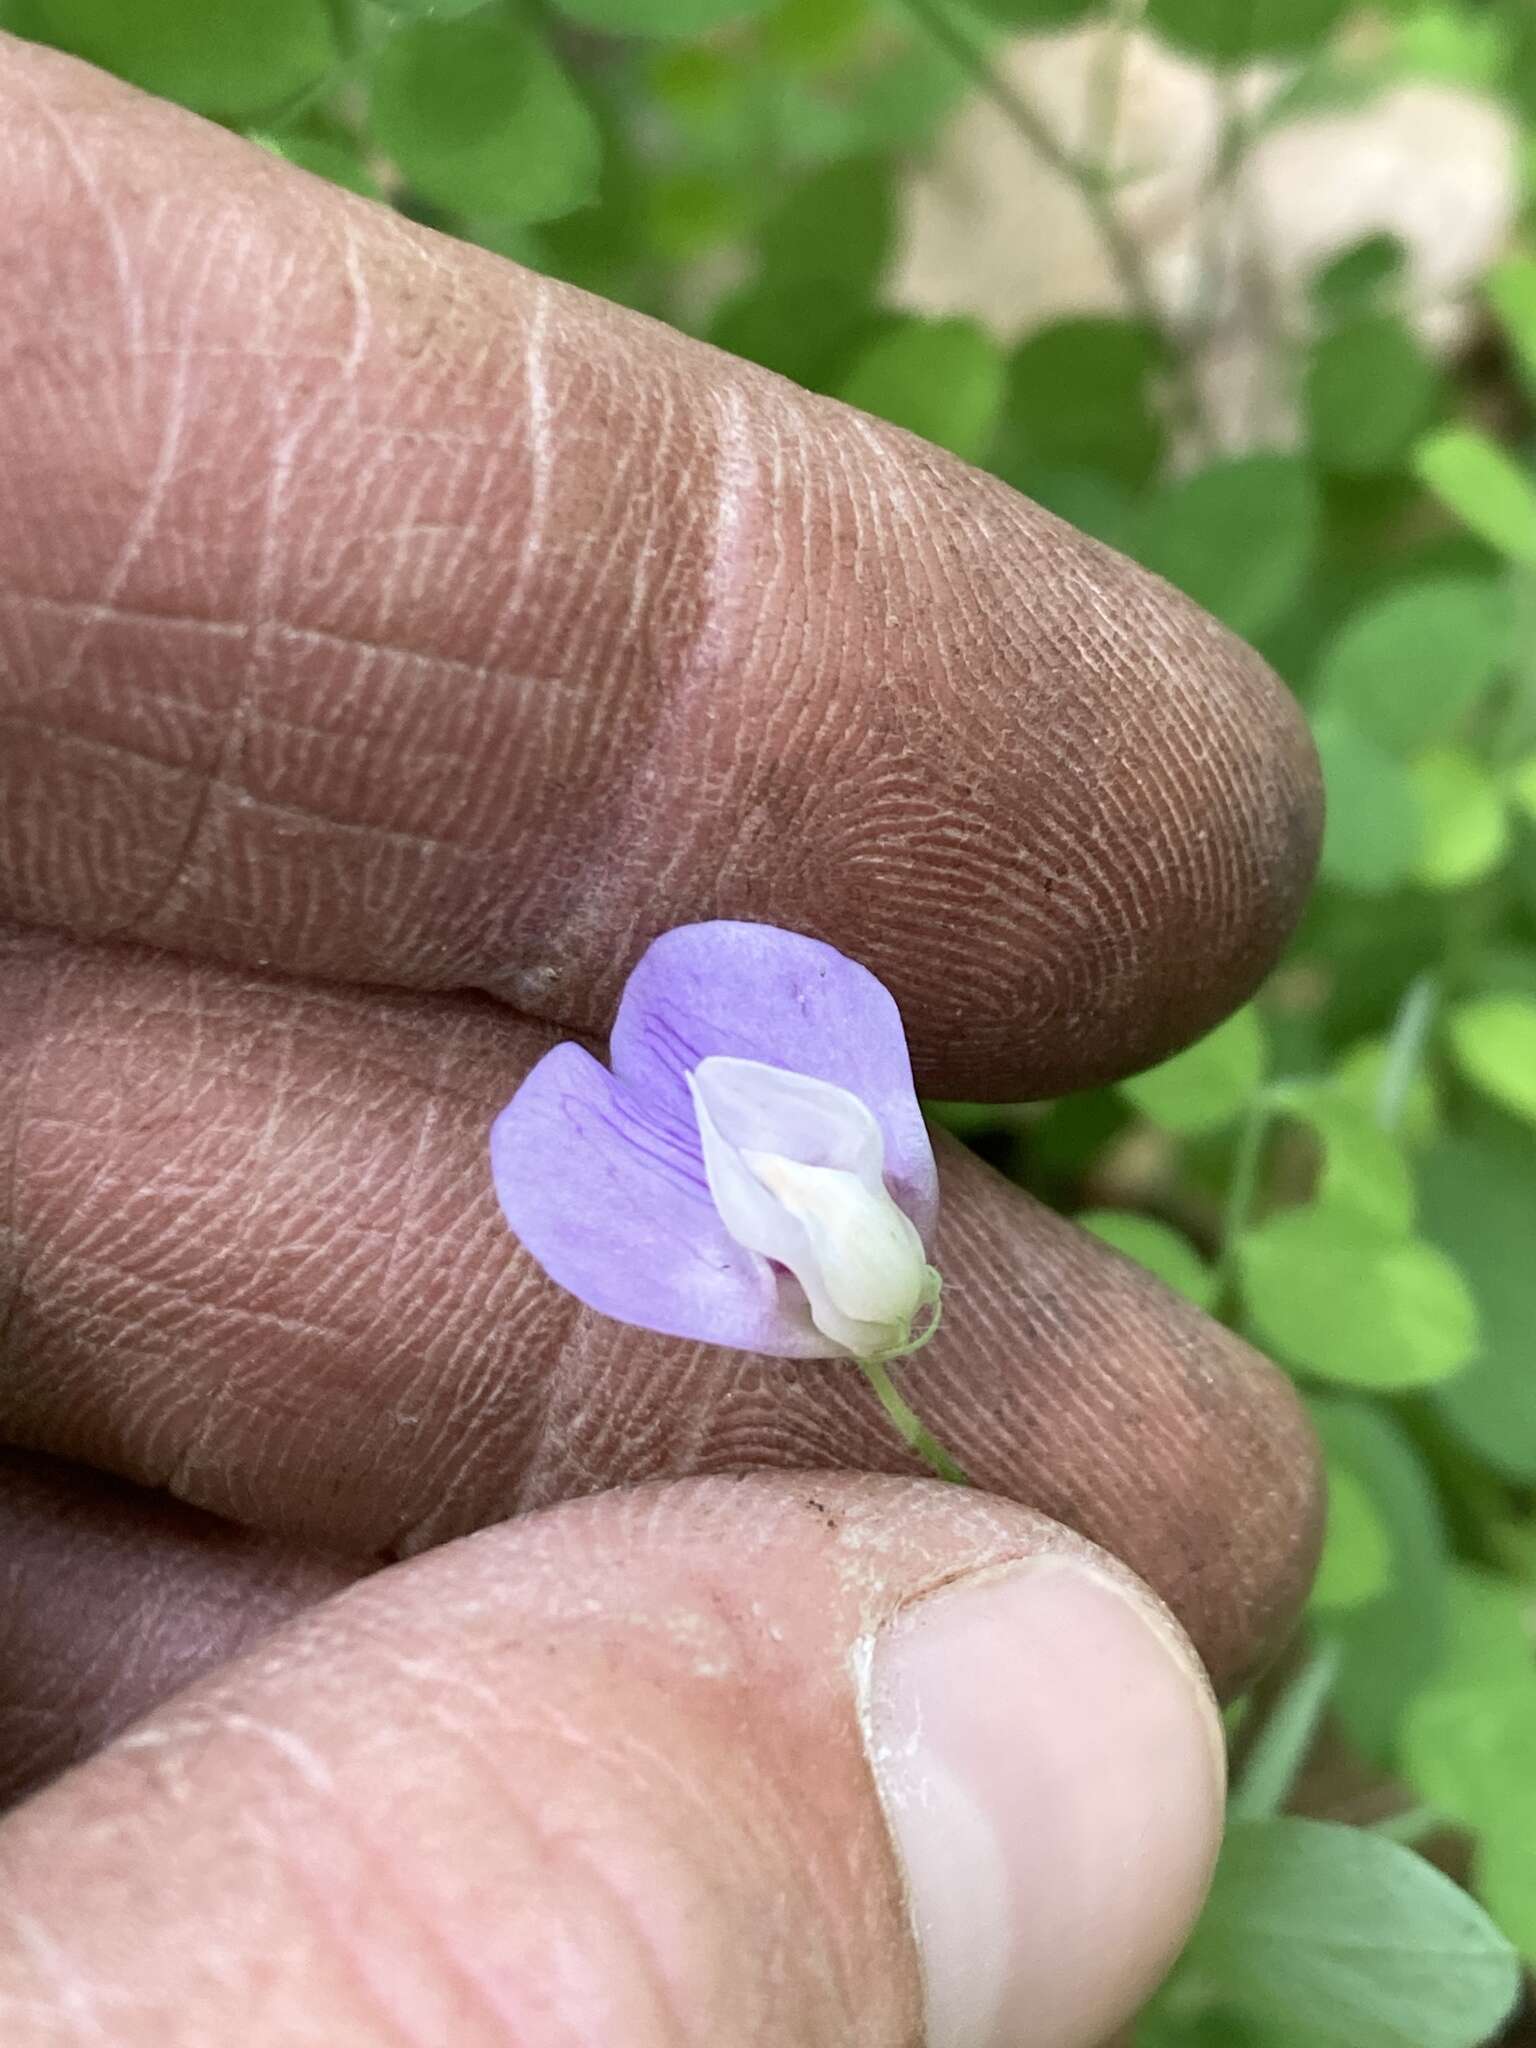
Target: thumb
x=775 y=1761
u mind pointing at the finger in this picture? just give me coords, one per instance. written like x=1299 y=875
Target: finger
x=258 y=1263
x=378 y=611
x=723 y=1762
x=111 y=1598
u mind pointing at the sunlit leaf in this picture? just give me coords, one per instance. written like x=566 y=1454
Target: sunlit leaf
x=1406 y=668
x=1369 y=390
x=1231 y=30
x=1470 y=472
x=942 y=379
x=1239 y=537
x=1351 y=1939
x=1493 y=1040
x=1209 y=1084
x=224 y=57
x=1356 y=1564
x=1465 y=832
x=1479 y=1204
x=1364 y=1167
x=1157 y=1247
x=1080 y=396
x=478 y=116
x=1339 y=1296
x=1394 y=1643
x=658 y=17
x=1512 y=294
x=1358 y=279
x=1374 y=826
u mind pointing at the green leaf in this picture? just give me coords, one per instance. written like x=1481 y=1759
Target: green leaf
x=481 y=119
x=1373 y=827
x=1493 y=1041
x=1369 y=390
x=1154 y=1245
x=1465 y=830
x=435 y=10
x=1522 y=785
x=1359 y=1075
x=1350 y=1939
x=1080 y=397
x=1340 y=1297
x=223 y=57
x=1504 y=1873
x=1356 y=280
x=1479 y=1205
x=1207 y=1085
x=810 y=35
x=1407 y=667
x=1470 y=473
x=1393 y=1643
x=1232 y=30
x=327 y=156
x=1036 y=14
x=805 y=330
x=1470 y=1750
x=688 y=213
x=1491 y=1636
x=942 y=379
x=1365 y=1170
x=1512 y=294
x=1356 y=1564
x=1285 y=1739
x=1239 y=537
x=658 y=17
x=834 y=227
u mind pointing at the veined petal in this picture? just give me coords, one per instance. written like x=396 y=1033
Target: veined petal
x=753 y=992
x=786 y=1216
x=609 y=1194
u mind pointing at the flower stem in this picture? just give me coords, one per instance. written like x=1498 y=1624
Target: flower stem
x=910 y=1428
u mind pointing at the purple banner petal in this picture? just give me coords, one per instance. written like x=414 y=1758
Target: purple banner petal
x=754 y=992
x=611 y=1199
x=601 y=1173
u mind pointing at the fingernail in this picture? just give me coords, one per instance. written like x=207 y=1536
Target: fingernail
x=1050 y=1761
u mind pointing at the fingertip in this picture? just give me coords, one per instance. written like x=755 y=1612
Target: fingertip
x=1051 y=1765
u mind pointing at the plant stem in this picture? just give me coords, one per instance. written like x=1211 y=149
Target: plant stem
x=1405 y=1049
x=1409 y=1826
x=347 y=26
x=911 y=1429
x=1281 y=1746
x=1108 y=85
x=1244 y=1184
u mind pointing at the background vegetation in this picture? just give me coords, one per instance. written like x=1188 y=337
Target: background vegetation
x=1347 y=1169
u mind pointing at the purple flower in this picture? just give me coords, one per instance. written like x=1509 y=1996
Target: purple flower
x=751 y=1170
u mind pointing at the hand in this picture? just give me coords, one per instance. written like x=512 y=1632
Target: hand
x=392 y=642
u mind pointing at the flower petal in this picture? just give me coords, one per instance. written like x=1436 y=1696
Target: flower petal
x=794 y=1168
x=607 y=1191
x=753 y=992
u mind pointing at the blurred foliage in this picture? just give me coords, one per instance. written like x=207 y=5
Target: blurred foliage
x=1346 y=1171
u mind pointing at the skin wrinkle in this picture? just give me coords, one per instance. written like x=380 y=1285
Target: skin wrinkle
x=924 y=589
x=225 y=1328
x=1070 y=822
x=787 y=1910
x=154 y=1594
